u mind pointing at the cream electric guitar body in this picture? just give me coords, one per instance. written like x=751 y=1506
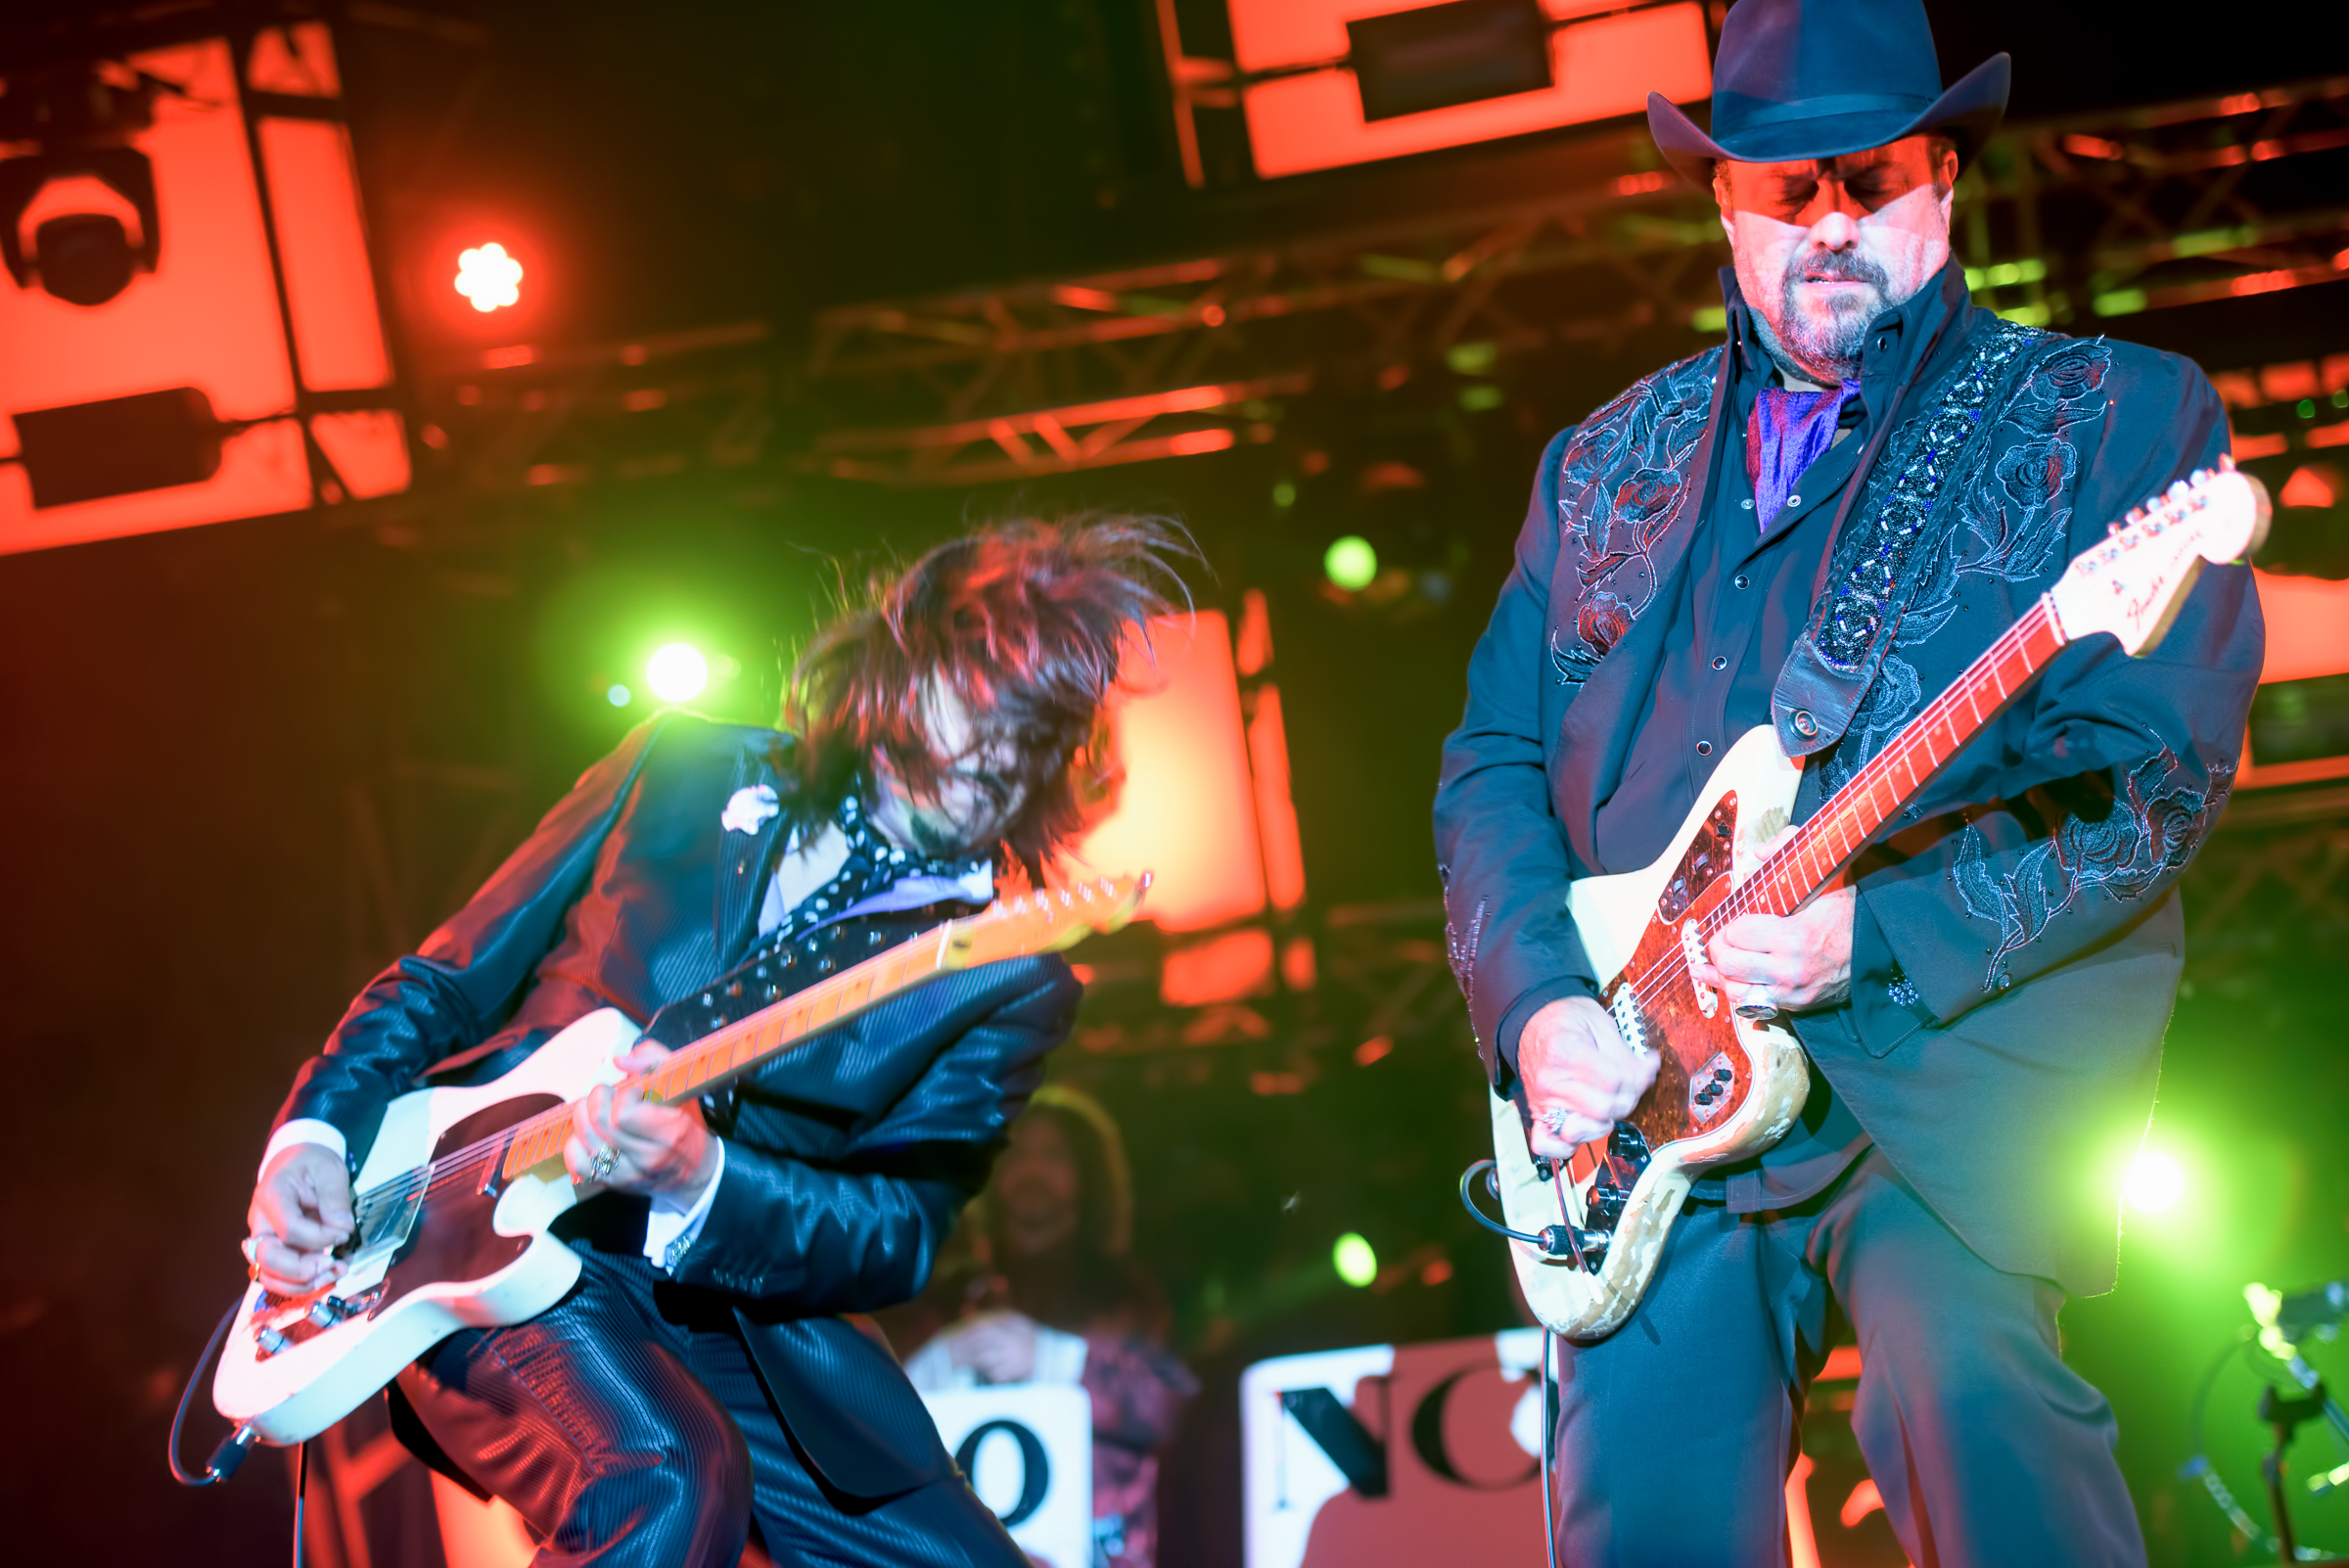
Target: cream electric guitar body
x=1728 y=1086
x=460 y=1184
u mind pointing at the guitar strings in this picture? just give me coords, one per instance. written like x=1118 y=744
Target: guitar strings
x=438 y=1173
x=1653 y=982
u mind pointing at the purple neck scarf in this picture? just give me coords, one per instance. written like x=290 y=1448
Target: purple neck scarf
x=1785 y=435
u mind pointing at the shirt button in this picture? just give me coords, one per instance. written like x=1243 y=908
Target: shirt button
x=1742 y=581
x=1704 y=748
x=1720 y=661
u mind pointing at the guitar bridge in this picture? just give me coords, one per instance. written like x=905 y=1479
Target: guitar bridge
x=298 y=1320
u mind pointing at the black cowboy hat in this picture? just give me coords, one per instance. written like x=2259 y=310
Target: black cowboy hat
x=1797 y=80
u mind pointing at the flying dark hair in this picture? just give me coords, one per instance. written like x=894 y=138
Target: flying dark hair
x=1027 y=624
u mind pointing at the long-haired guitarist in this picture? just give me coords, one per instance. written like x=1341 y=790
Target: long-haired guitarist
x=1816 y=526
x=700 y=1378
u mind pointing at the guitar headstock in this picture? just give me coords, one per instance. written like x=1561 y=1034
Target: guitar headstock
x=1046 y=920
x=2133 y=583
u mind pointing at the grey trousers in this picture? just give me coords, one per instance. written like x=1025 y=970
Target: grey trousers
x=1676 y=1433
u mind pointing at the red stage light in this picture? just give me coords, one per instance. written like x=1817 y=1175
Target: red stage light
x=174 y=400
x=1187 y=814
x=2308 y=626
x=489 y=277
x=1315 y=118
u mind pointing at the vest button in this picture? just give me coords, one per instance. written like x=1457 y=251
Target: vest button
x=1704 y=748
x=1804 y=724
x=1742 y=581
x=1720 y=662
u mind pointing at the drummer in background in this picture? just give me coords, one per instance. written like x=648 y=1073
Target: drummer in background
x=1049 y=1292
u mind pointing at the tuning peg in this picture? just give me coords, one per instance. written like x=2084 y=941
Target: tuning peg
x=2198 y=476
x=2225 y=462
x=2136 y=515
x=2177 y=490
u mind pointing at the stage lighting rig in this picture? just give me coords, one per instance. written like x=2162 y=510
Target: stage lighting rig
x=78 y=119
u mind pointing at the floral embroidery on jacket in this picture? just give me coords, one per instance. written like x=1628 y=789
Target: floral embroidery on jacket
x=1622 y=488
x=2150 y=832
x=1461 y=951
x=2014 y=515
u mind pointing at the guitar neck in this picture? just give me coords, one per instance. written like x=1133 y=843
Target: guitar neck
x=747 y=1044
x=1831 y=838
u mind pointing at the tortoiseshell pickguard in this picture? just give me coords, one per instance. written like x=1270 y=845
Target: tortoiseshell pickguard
x=1685 y=1038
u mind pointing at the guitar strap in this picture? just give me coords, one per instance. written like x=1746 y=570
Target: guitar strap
x=1875 y=568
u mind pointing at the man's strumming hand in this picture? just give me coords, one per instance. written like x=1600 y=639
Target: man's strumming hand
x=657 y=1149
x=301 y=1213
x=1804 y=959
x=1576 y=1069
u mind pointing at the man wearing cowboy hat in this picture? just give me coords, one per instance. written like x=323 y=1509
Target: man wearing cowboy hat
x=1816 y=526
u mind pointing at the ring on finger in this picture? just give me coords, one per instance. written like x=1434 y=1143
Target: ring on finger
x=1555 y=1121
x=600 y=1165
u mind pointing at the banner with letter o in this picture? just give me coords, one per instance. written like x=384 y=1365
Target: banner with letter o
x=1027 y=1448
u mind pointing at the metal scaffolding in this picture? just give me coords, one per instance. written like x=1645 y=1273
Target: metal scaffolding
x=2067 y=222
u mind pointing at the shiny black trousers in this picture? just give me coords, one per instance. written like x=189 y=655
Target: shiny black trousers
x=1676 y=1433
x=627 y=1425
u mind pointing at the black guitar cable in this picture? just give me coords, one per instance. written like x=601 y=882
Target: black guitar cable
x=236 y=1446
x=233 y=1448
x=1550 y=1439
x=1555 y=1240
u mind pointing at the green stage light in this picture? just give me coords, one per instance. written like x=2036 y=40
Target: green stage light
x=2155 y=1182
x=617 y=695
x=677 y=673
x=1351 y=562
x=1356 y=1263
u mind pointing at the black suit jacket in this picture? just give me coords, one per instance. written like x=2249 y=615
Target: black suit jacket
x=847 y=1160
x=2019 y=938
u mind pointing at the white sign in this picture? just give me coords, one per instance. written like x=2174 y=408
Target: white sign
x=1027 y=1448
x=1396 y=1454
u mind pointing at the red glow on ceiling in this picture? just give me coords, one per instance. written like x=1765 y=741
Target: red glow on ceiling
x=208 y=318
x=2308 y=626
x=2313 y=485
x=1275 y=808
x=367 y=449
x=1222 y=968
x=330 y=291
x=1600 y=67
x=297 y=62
x=1187 y=814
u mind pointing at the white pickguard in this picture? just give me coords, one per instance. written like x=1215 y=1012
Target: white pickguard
x=1611 y=914
x=305 y=1388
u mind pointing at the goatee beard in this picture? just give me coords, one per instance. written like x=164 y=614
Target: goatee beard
x=1832 y=345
